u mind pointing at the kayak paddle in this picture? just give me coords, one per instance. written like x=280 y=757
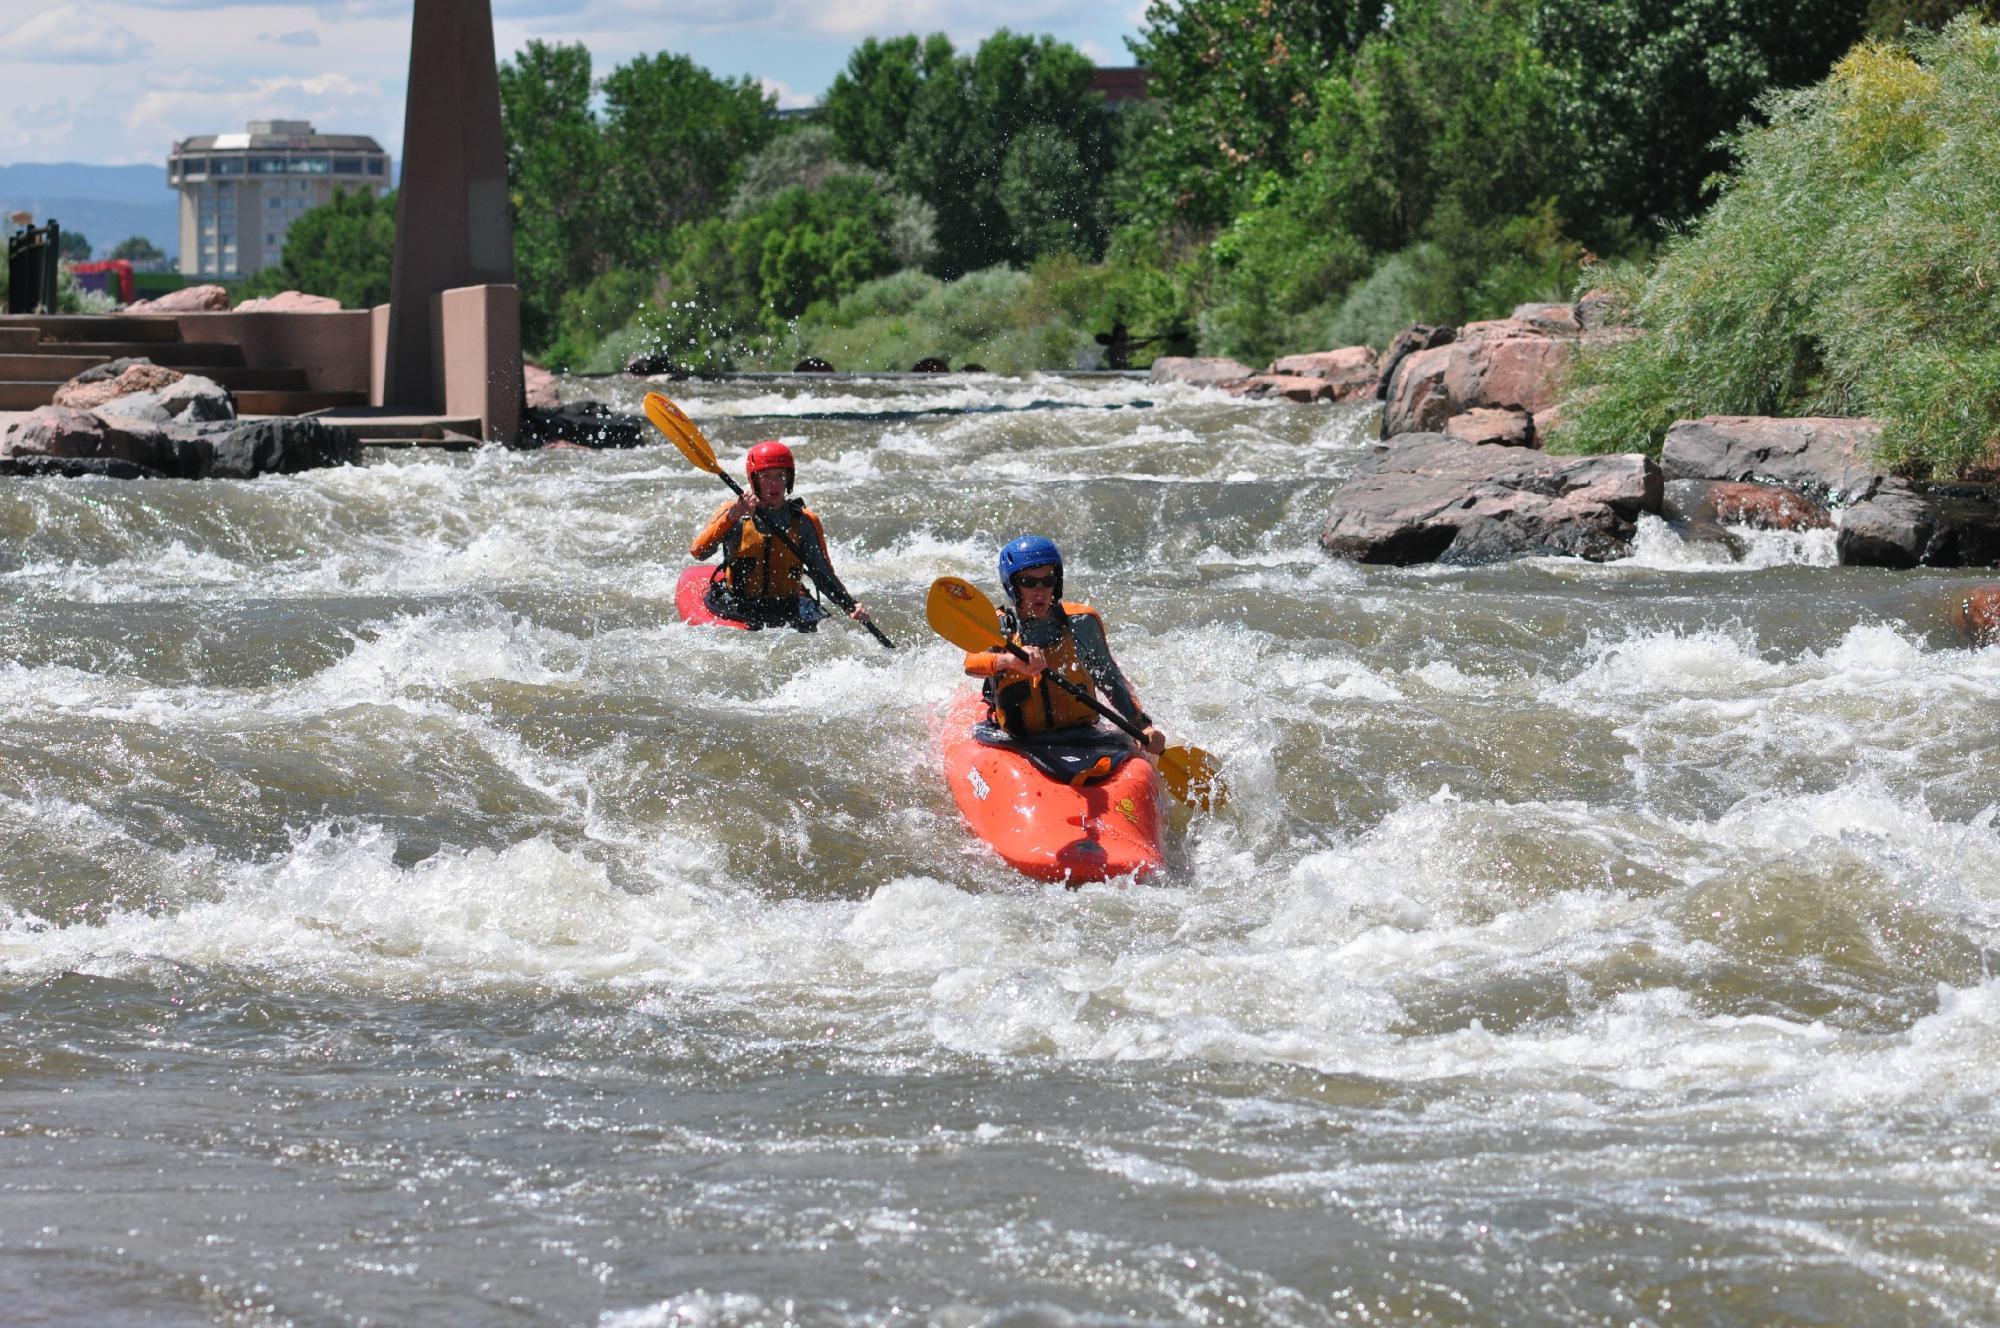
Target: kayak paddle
x=682 y=432
x=959 y=612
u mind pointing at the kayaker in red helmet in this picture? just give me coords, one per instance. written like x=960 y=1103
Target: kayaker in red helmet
x=761 y=581
x=1056 y=635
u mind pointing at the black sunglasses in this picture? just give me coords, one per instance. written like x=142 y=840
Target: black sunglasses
x=1024 y=581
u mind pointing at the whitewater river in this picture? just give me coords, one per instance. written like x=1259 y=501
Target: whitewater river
x=404 y=920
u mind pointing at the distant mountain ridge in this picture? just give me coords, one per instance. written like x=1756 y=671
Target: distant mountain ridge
x=103 y=203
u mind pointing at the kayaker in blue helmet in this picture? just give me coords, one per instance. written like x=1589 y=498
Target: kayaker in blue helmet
x=1056 y=635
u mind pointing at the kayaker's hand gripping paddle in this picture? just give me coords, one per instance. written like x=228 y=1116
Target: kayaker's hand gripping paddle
x=959 y=612
x=682 y=432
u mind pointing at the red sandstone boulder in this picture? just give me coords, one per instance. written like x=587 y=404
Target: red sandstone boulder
x=1766 y=507
x=1822 y=455
x=1200 y=371
x=290 y=302
x=62 y=432
x=1493 y=427
x=1290 y=387
x=1976 y=613
x=93 y=387
x=1555 y=319
x=539 y=387
x=1501 y=363
x=1425 y=497
x=186 y=300
x=1351 y=370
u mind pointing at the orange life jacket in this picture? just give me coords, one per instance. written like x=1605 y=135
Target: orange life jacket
x=759 y=566
x=1035 y=705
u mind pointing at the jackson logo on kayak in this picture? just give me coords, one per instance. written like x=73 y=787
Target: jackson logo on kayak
x=980 y=788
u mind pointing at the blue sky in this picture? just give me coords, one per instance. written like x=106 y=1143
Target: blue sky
x=116 y=83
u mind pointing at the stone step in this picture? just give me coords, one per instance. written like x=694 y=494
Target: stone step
x=41 y=368
x=455 y=443
x=257 y=401
x=373 y=425
x=16 y=339
x=174 y=354
x=27 y=396
x=98 y=327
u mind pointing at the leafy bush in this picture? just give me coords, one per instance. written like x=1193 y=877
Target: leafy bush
x=1848 y=267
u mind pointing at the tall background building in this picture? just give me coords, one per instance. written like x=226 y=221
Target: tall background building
x=240 y=193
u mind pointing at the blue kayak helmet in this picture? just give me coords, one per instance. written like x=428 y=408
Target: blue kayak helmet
x=1025 y=552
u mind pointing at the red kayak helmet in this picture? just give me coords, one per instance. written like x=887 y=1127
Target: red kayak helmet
x=771 y=455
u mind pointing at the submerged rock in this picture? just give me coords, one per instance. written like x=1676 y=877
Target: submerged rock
x=585 y=423
x=1976 y=614
x=1425 y=497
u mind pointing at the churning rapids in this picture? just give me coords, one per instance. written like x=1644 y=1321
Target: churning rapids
x=404 y=920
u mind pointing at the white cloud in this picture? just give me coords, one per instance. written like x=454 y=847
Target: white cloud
x=335 y=103
x=787 y=99
x=72 y=34
x=303 y=37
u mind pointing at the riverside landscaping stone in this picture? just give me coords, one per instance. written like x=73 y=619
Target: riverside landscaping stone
x=1428 y=497
x=186 y=300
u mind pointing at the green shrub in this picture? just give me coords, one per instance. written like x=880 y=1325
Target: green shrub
x=1848 y=268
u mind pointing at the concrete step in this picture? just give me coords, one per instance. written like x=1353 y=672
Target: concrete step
x=27 y=396
x=174 y=354
x=42 y=368
x=258 y=401
x=14 y=339
x=375 y=424
x=38 y=368
x=98 y=327
x=457 y=442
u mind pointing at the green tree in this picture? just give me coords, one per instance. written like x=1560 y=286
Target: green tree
x=1048 y=197
x=1237 y=78
x=74 y=246
x=555 y=162
x=138 y=249
x=1653 y=85
x=868 y=108
x=1840 y=271
x=965 y=121
x=674 y=136
x=344 y=249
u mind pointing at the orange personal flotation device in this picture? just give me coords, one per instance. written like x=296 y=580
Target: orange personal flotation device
x=1036 y=705
x=757 y=565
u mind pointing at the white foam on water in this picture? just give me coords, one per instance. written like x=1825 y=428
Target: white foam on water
x=1657 y=547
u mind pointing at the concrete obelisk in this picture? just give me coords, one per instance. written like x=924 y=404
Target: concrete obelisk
x=453 y=228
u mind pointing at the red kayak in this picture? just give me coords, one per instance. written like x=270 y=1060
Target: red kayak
x=691 y=599
x=1042 y=826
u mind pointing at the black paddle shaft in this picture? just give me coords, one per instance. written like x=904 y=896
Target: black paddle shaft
x=835 y=592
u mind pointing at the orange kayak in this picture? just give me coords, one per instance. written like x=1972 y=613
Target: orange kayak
x=1042 y=826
